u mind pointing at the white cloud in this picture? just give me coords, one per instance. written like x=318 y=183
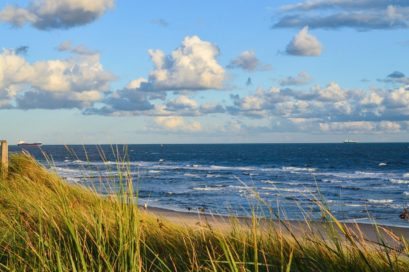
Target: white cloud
x=400 y=97
x=333 y=14
x=252 y=103
x=136 y=83
x=390 y=126
x=247 y=60
x=332 y=92
x=49 y=14
x=193 y=66
x=78 y=81
x=304 y=44
x=352 y=127
x=372 y=99
x=182 y=102
x=300 y=79
x=361 y=126
x=177 y=123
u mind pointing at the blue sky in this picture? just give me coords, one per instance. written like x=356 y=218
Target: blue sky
x=111 y=71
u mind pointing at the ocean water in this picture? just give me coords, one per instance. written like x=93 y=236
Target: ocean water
x=362 y=182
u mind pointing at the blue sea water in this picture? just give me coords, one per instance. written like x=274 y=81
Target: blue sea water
x=362 y=182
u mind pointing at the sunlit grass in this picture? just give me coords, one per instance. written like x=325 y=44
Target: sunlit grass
x=47 y=224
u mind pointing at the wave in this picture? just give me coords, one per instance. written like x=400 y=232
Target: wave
x=354 y=175
x=208 y=188
x=380 y=201
x=353 y=205
x=191 y=175
x=229 y=168
x=298 y=169
x=289 y=190
x=332 y=181
x=406 y=193
x=213 y=176
x=399 y=181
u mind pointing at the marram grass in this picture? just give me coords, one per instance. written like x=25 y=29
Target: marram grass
x=47 y=224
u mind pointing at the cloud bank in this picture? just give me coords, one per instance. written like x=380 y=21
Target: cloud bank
x=334 y=14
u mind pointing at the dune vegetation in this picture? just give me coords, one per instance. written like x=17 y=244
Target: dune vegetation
x=47 y=224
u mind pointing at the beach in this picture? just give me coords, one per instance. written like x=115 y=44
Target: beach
x=369 y=232
x=47 y=221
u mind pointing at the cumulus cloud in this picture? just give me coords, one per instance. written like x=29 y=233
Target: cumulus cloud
x=248 y=61
x=304 y=44
x=182 y=102
x=76 y=82
x=193 y=66
x=332 y=92
x=177 y=123
x=300 y=79
x=328 y=108
x=360 y=14
x=399 y=97
x=51 y=14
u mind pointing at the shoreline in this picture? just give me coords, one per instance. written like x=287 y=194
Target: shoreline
x=162 y=210
x=370 y=232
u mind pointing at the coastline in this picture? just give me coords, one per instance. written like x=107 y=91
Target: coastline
x=370 y=232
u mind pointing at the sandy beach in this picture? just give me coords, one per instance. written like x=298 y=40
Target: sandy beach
x=369 y=232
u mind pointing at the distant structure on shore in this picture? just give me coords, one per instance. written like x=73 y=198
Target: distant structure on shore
x=24 y=144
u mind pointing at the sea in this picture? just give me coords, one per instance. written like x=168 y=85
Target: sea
x=361 y=182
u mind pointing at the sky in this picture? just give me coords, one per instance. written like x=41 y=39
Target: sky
x=160 y=71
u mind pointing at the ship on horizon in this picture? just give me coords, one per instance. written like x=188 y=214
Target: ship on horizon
x=349 y=141
x=24 y=144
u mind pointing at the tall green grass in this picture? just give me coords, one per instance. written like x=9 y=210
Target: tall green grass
x=47 y=224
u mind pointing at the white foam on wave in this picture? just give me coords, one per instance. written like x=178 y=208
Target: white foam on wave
x=406 y=193
x=380 y=201
x=270 y=181
x=191 y=175
x=356 y=175
x=353 y=205
x=234 y=168
x=298 y=169
x=213 y=176
x=332 y=180
x=288 y=190
x=399 y=181
x=208 y=188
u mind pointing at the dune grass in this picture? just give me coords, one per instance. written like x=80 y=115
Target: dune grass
x=47 y=224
